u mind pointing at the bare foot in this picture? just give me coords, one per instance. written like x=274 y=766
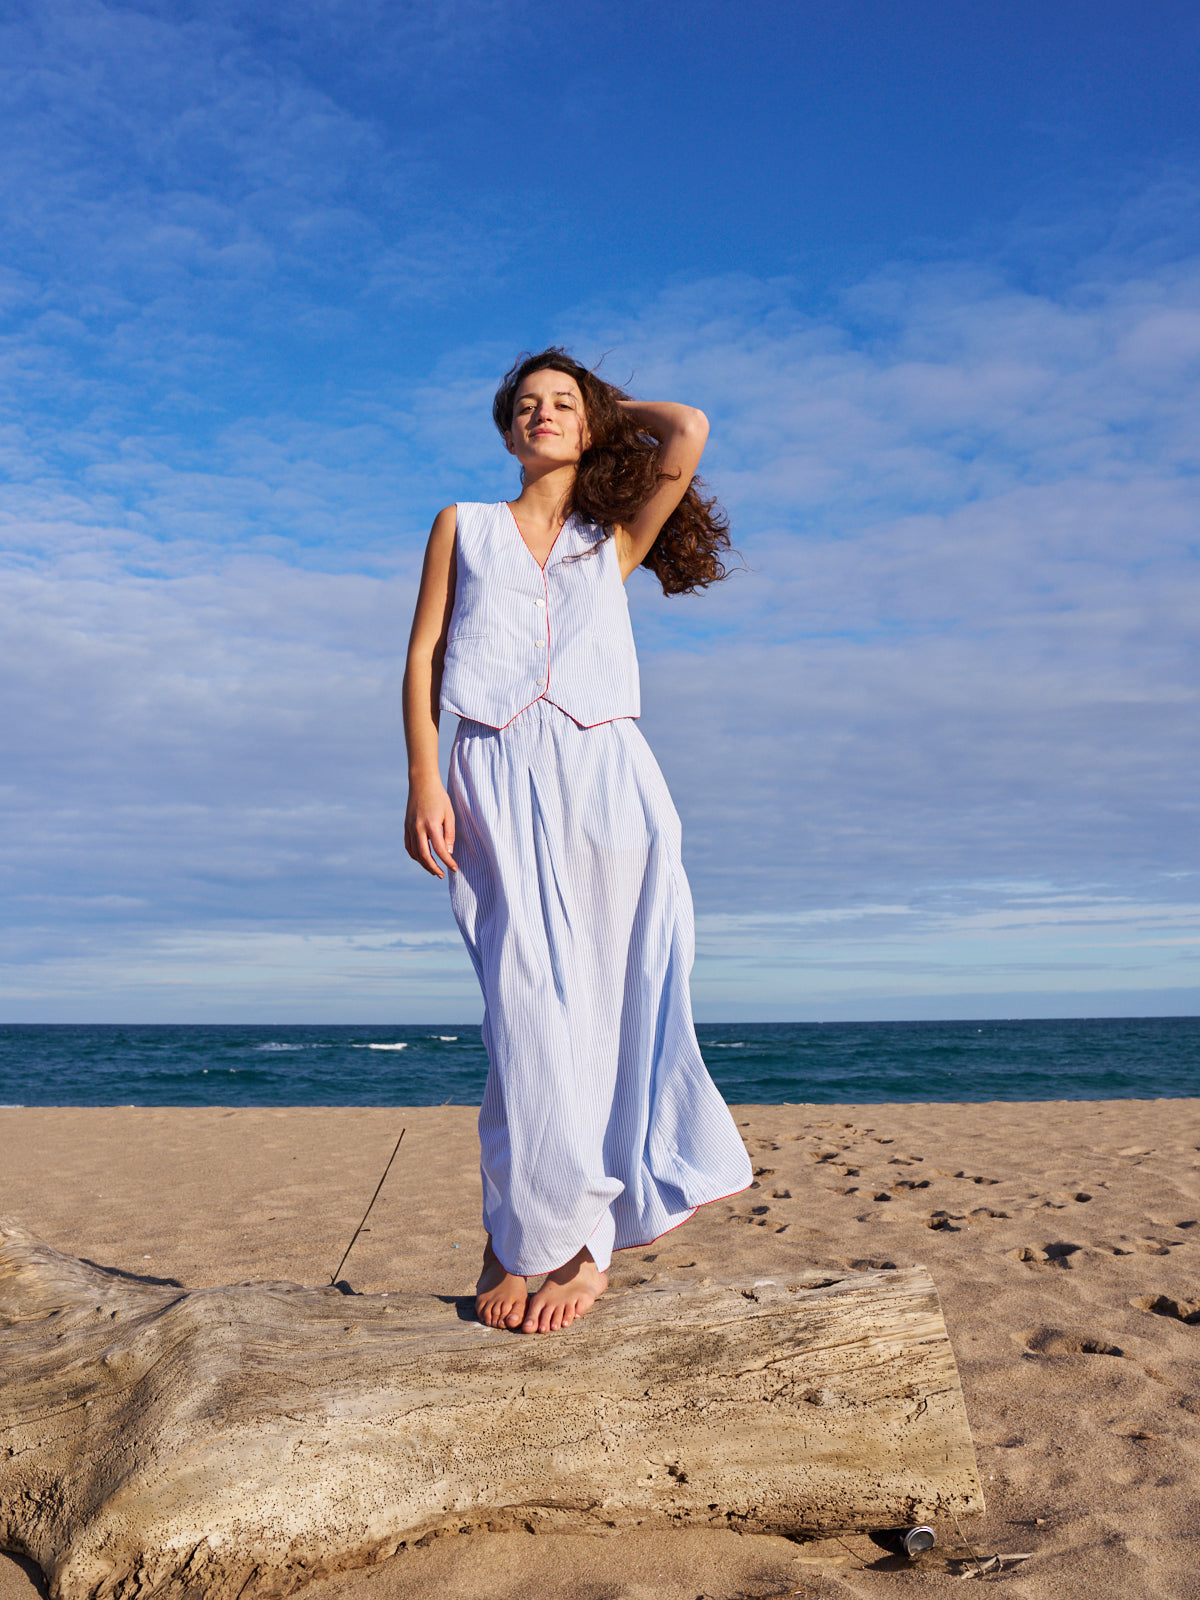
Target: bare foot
x=565 y=1295
x=500 y=1302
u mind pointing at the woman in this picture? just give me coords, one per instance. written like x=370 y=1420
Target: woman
x=600 y=1127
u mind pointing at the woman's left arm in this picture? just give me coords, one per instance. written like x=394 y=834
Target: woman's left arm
x=681 y=432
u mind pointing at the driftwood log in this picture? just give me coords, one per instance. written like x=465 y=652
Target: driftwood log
x=239 y=1441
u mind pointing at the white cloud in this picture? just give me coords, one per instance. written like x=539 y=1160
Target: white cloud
x=988 y=938
x=237 y=974
x=964 y=656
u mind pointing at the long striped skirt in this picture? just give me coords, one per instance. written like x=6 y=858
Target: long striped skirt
x=600 y=1125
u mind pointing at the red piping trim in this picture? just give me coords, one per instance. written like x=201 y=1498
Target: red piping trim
x=716 y=1200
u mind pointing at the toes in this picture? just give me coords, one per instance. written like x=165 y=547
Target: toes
x=498 y=1313
x=552 y=1316
x=541 y=1320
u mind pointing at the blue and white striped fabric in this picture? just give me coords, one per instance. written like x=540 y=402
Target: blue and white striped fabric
x=600 y=1125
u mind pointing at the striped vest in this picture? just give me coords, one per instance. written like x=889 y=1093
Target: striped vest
x=520 y=633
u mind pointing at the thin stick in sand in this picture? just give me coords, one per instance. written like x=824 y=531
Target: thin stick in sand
x=333 y=1280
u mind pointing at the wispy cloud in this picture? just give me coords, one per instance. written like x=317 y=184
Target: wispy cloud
x=957 y=661
x=983 y=942
x=934 y=742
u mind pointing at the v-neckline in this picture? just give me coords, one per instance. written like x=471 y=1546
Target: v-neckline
x=541 y=565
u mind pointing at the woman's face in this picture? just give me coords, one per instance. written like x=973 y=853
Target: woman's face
x=549 y=425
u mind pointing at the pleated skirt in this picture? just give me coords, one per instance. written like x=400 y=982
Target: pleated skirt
x=600 y=1125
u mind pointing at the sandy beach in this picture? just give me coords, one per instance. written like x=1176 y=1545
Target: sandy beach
x=1064 y=1238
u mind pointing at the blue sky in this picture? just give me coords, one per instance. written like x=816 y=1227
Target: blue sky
x=932 y=270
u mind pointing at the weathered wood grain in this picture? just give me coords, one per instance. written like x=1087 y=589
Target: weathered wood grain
x=238 y=1441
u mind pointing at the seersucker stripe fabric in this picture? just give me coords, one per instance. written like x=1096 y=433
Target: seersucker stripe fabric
x=520 y=632
x=600 y=1125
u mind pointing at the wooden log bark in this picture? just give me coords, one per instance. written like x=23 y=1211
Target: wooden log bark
x=238 y=1441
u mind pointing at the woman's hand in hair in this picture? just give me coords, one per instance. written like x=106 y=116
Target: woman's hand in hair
x=663 y=418
x=681 y=432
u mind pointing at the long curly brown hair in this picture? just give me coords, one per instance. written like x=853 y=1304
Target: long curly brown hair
x=619 y=472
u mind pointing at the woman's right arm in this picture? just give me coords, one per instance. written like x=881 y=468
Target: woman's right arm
x=429 y=817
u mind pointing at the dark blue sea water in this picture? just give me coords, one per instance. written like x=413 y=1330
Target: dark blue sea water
x=764 y=1063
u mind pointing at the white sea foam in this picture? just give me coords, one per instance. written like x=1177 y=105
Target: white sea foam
x=380 y=1047
x=273 y=1045
x=446 y=1038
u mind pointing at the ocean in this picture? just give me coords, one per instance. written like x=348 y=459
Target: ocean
x=753 y=1063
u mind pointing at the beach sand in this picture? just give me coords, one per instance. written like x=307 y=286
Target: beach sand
x=1060 y=1235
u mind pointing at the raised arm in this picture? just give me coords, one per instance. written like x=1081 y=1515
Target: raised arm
x=681 y=432
x=429 y=817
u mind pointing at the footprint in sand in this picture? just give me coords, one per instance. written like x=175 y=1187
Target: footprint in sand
x=1056 y=1254
x=757 y=1217
x=943 y=1222
x=1163 y=1222
x=1143 y=1247
x=1060 y=1253
x=1042 y=1341
x=1162 y=1305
